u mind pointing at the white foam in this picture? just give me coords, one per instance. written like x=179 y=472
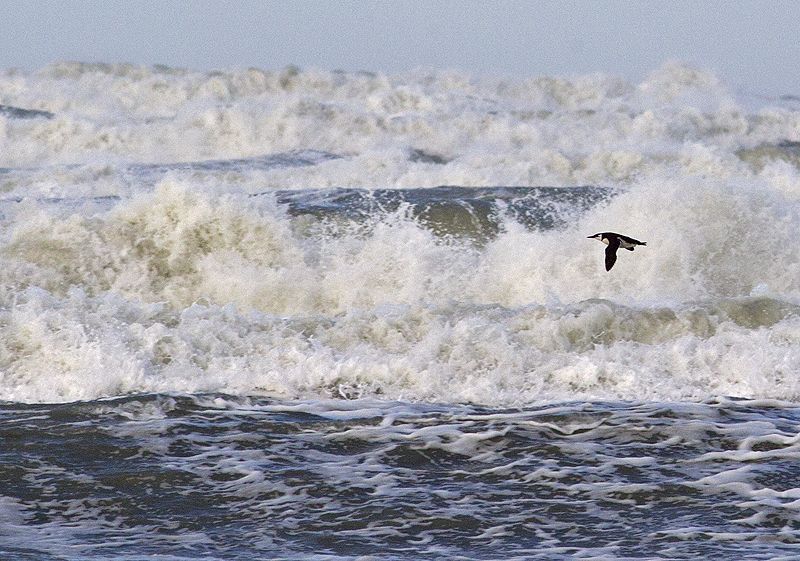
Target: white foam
x=77 y=347
x=492 y=132
x=179 y=291
x=178 y=281
x=708 y=237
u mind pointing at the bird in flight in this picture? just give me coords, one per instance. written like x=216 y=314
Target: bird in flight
x=614 y=242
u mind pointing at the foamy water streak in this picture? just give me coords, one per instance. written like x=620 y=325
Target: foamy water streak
x=171 y=476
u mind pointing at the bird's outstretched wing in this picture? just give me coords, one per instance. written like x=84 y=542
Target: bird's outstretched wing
x=611 y=253
x=631 y=240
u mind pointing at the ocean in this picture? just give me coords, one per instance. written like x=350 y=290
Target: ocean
x=309 y=314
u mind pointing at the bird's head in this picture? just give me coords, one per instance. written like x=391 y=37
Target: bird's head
x=596 y=237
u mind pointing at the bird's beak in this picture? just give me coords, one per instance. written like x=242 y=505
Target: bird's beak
x=590 y=237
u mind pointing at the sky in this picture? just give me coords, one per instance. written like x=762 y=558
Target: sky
x=752 y=45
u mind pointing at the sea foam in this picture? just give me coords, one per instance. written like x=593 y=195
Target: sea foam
x=151 y=242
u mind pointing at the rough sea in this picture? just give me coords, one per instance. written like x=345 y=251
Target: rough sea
x=305 y=314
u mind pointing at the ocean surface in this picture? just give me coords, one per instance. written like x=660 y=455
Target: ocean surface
x=305 y=314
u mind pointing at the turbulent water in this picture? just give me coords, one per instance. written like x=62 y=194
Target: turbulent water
x=305 y=314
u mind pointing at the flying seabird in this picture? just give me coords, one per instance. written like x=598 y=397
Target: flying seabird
x=614 y=242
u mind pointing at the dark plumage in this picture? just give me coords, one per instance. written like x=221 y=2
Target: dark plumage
x=614 y=242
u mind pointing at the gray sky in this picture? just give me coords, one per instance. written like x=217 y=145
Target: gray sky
x=754 y=46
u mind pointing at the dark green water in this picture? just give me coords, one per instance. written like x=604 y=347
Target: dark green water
x=215 y=477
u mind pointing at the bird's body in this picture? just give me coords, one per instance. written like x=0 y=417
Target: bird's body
x=614 y=242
